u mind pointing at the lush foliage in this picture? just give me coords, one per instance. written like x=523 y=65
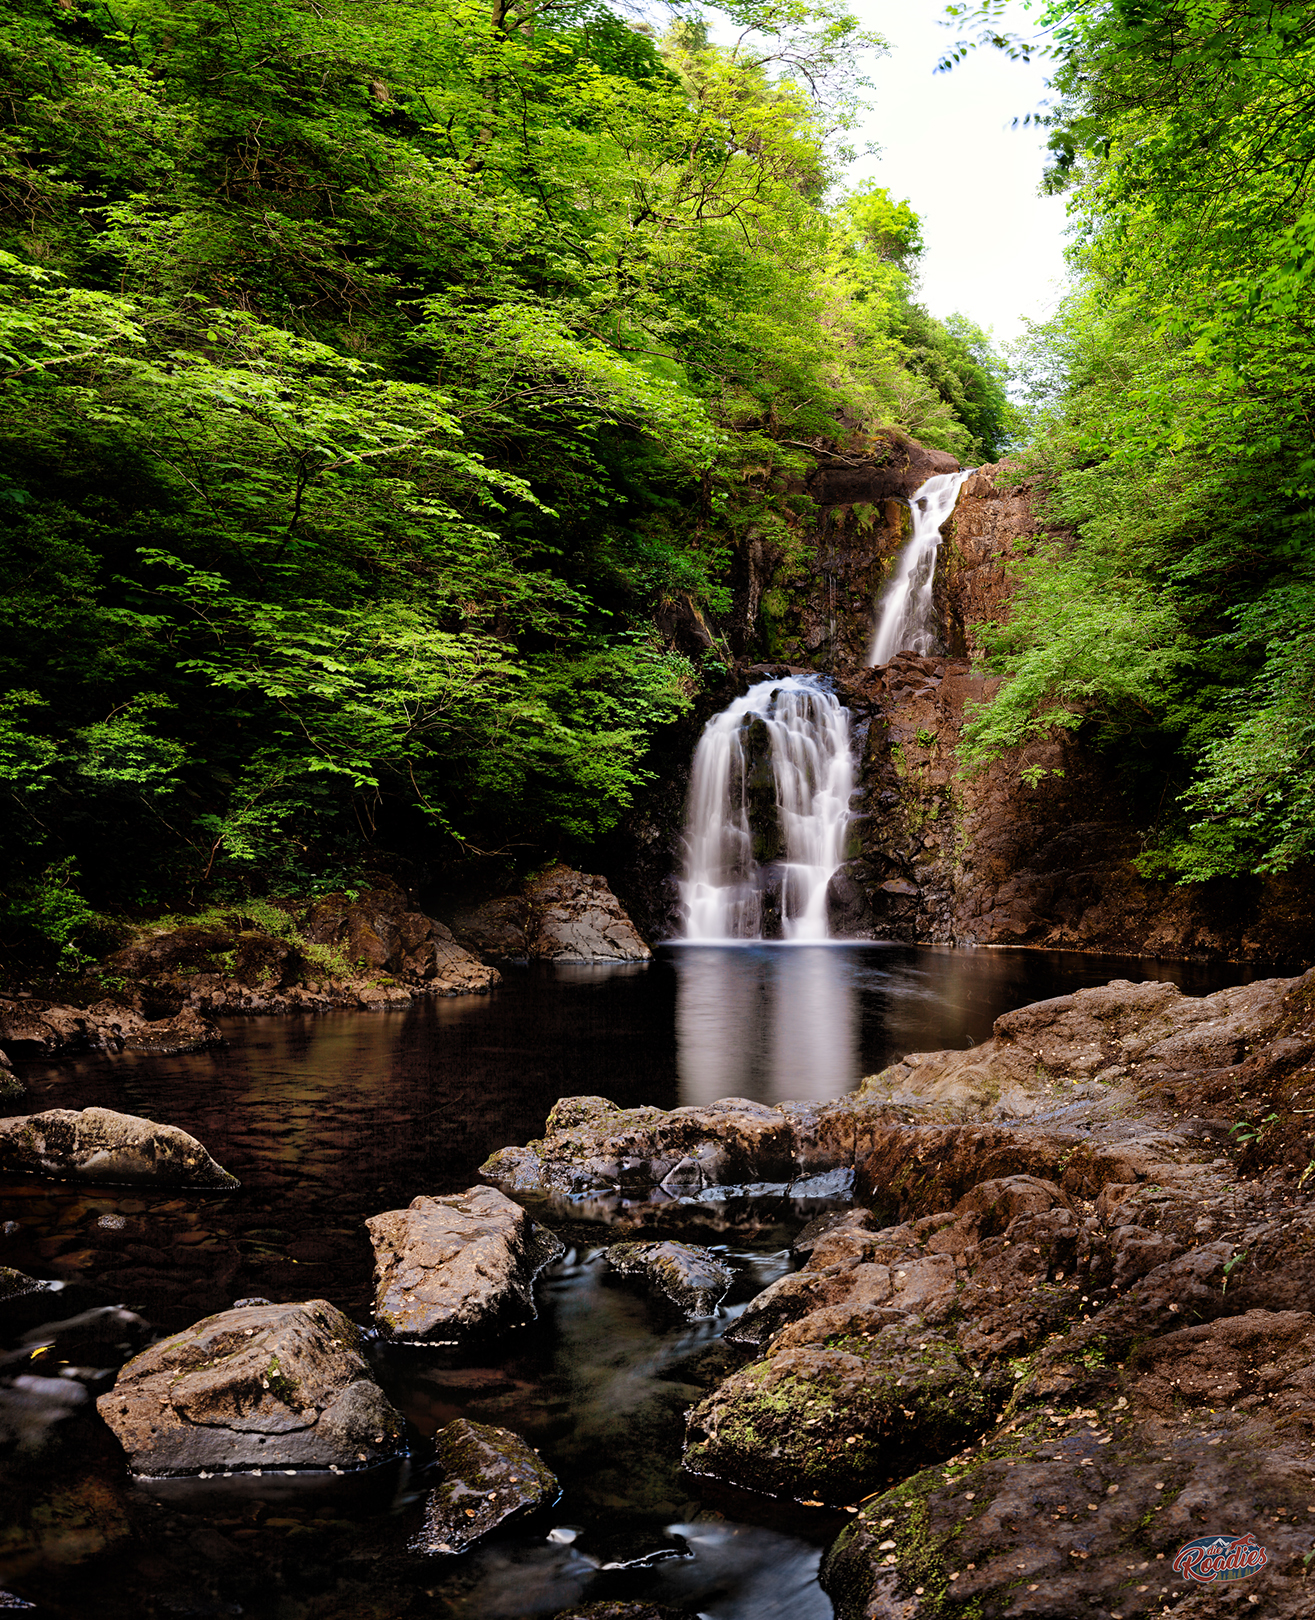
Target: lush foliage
x=1174 y=399
x=371 y=376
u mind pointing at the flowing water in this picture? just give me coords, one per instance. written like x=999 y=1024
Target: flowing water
x=768 y=806
x=332 y=1118
x=906 y=618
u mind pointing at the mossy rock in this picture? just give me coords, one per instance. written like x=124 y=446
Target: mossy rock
x=830 y=1422
x=492 y=1475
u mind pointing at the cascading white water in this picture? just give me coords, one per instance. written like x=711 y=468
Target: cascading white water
x=906 y=620
x=776 y=768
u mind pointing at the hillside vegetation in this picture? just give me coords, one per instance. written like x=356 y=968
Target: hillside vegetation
x=372 y=374
x=1174 y=426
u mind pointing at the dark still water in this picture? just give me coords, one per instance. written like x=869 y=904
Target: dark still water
x=327 y=1119
x=332 y=1118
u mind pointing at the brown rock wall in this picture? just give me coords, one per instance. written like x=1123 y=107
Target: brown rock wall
x=993 y=860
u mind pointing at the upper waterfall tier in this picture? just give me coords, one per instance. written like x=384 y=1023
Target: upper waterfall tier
x=906 y=619
x=769 y=796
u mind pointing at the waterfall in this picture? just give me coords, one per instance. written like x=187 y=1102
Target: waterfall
x=768 y=806
x=906 y=621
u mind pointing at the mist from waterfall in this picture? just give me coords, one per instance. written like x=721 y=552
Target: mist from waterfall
x=906 y=618
x=768 y=808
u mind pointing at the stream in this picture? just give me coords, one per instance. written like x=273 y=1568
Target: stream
x=331 y=1118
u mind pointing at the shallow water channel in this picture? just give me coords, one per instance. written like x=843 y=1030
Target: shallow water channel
x=331 y=1118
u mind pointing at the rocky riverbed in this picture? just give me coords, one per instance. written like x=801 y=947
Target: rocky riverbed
x=1048 y=1325
x=1063 y=1332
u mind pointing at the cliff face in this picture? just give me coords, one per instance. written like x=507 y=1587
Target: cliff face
x=989 y=860
x=811 y=604
x=937 y=857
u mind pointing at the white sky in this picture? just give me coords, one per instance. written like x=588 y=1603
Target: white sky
x=994 y=247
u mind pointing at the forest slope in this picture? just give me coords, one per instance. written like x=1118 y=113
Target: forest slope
x=372 y=377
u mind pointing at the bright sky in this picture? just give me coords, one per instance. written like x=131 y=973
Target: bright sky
x=994 y=247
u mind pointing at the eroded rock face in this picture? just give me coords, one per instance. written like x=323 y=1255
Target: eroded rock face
x=255 y=1388
x=691 y=1279
x=43 y=1029
x=381 y=931
x=457 y=1267
x=1084 y=1494
x=579 y=919
x=561 y=916
x=98 y=1144
x=492 y=1475
x=991 y=858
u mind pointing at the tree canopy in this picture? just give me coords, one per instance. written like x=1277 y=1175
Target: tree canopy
x=372 y=374
x=1172 y=406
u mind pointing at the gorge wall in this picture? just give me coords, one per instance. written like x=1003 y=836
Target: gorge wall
x=938 y=857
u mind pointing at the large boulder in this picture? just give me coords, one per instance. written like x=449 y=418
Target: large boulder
x=560 y=916
x=453 y=1268
x=491 y=1475
x=592 y=1145
x=260 y=1387
x=1080 y=1500
x=689 y=1278
x=829 y=1419
x=579 y=919
x=97 y=1144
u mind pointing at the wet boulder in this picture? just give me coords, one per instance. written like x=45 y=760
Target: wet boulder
x=104 y=1336
x=453 y=1268
x=691 y=1279
x=263 y=1387
x=829 y=1420
x=97 y=1144
x=491 y=1475
x=594 y=1146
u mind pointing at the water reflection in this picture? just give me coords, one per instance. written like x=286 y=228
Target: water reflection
x=777 y=1021
x=763 y=1022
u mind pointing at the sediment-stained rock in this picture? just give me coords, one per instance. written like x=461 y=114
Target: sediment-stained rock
x=492 y=1475
x=261 y=1387
x=35 y=1029
x=98 y=1144
x=691 y=1279
x=456 y=1267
